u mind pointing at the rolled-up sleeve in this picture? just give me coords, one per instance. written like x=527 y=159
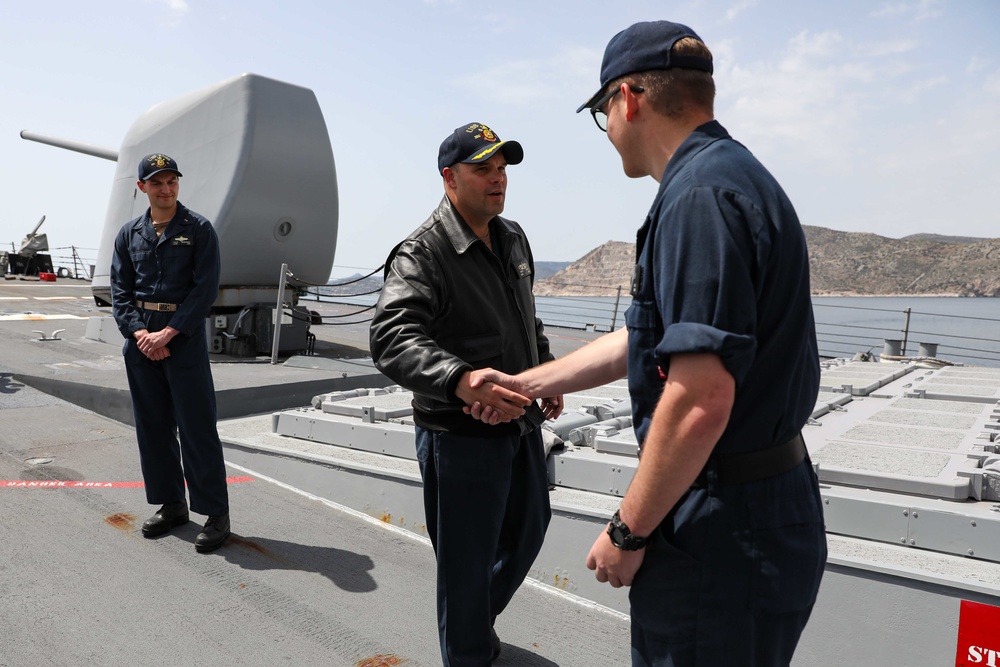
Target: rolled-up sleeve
x=703 y=254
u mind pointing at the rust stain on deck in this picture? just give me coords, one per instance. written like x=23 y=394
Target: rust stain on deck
x=253 y=546
x=121 y=521
x=380 y=660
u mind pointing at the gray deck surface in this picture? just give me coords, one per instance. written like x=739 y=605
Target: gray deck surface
x=307 y=581
x=301 y=582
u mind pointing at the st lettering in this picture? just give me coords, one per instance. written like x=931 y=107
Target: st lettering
x=977 y=654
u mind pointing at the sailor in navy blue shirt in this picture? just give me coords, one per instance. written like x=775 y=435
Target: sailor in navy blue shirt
x=722 y=268
x=720 y=535
x=164 y=279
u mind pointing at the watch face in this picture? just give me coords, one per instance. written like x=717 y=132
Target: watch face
x=617 y=537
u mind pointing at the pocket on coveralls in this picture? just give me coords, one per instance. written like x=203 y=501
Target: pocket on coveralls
x=789 y=548
x=664 y=596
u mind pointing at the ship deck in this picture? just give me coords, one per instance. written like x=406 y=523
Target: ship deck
x=330 y=562
x=305 y=579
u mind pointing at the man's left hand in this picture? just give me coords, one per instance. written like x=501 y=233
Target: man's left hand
x=613 y=565
x=552 y=406
x=156 y=340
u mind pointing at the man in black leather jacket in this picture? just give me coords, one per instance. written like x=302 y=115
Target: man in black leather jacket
x=457 y=297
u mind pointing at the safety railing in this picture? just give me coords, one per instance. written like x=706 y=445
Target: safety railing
x=842 y=329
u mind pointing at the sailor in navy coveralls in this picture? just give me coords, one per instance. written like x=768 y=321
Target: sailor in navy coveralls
x=164 y=280
x=720 y=534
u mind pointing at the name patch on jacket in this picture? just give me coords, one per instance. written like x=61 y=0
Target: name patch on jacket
x=636 y=286
x=180 y=240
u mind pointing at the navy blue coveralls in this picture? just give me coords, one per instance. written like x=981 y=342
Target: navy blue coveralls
x=731 y=574
x=176 y=394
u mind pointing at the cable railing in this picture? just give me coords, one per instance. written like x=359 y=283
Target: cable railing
x=363 y=294
x=842 y=329
x=596 y=313
x=64 y=262
x=966 y=339
x=73 y=262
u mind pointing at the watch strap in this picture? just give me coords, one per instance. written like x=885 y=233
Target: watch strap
x=622 y=537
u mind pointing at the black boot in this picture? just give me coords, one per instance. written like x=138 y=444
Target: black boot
x=214 y=534
x=168 y=517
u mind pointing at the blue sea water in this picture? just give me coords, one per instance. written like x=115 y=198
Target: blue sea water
x=966 y=330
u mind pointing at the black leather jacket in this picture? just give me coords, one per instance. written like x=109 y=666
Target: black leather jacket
x=450 y=305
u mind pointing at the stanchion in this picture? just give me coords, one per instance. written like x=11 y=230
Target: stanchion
x=279 y=314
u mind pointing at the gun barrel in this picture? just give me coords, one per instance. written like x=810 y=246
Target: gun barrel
x=68 y=144
x=35 y=230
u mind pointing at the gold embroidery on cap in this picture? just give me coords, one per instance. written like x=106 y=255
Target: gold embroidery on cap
x=486 y=152
x=159 y=160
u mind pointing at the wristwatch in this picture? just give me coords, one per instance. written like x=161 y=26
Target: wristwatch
x=622 y=537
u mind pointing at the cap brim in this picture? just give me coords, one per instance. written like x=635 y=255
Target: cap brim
x=593 y=100
x=513 y=152
x=149 y=176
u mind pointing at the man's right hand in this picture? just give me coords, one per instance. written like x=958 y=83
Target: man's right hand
x=486 y=412
x=504 y=404
x=159 y=354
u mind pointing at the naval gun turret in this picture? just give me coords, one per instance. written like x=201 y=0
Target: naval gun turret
x=258 y=163
x=34 y=243
x=31 y=259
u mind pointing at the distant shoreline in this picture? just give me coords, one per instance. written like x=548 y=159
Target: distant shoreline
x=850 y=294
x=897 y=295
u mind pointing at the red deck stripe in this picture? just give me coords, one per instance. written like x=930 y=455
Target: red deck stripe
x=63 y=484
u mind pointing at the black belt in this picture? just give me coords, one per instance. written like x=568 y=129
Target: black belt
x=753 y=466
x=532 y=418
x=159 y=307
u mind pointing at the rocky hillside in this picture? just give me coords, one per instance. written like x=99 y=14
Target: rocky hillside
x=842 y=263
x=855 y=263
x=598 y=273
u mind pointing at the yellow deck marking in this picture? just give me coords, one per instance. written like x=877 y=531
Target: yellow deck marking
x=33 y=317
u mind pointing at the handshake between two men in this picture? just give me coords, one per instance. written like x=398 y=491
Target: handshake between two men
x=494 y=398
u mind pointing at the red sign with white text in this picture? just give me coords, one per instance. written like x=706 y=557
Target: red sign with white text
x=978 y=635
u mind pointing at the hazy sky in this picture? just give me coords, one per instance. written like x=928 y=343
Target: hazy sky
x=875 y=116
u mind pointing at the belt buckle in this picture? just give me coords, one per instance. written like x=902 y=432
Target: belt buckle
x=163 y=307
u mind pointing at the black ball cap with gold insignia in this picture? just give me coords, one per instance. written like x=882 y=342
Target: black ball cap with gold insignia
x=154 y=163
x=473 y=143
